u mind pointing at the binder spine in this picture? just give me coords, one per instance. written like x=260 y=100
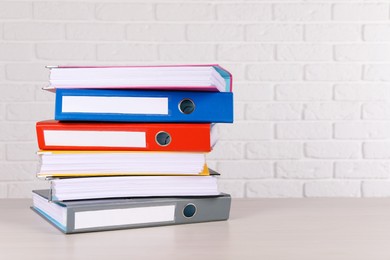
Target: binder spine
x=183 y=210
x=183 y=106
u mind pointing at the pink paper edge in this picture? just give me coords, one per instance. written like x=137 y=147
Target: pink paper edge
x=152 y=66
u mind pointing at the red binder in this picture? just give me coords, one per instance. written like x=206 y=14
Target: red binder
x=56 y=135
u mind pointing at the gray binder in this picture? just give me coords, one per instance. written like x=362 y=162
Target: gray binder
x=122 y=213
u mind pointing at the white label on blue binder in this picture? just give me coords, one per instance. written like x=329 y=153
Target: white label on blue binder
x=95 y=138
x=126 y=216
x=122 y=105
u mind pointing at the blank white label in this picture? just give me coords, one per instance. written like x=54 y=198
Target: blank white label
x=95 y=138
x=123 y=105
x=127 y=216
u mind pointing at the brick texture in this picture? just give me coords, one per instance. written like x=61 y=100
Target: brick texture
x=302 y=12
x=304 y=169
x=362 y=169
x=215 y=32
x=244 y=12
x=274 y=150
x=310 y=81
x=33 y=31
x=95 y=32
x=333 y=188
x=15 y=10
x=153 y=32
x=300 y=131
x=304 y=92
x=332 y=32
x=363 y=91
x=124 y=11
x=332 y=150
x=185 y=12
x=275 y=189
x=376 y=188
x=274 y=32
x=63 y=11
x=376 y=32
x=361 y=12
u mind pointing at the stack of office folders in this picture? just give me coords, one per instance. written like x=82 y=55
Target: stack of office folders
x=127 y=146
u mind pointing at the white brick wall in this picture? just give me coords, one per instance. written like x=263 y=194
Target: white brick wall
x=302 y=12
x=311 y=83
x=332 y=188
x=361 y=12
x=332 y=150
x=304 y=169
x=376 y=32
x=15 y=10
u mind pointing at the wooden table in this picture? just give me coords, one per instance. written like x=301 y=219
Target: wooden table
x=258 y=229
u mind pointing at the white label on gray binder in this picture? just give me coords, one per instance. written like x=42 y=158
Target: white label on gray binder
x=126 y=216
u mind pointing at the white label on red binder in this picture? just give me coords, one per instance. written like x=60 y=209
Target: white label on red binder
x=95 y=138
x=124 y=105
x=127 y=216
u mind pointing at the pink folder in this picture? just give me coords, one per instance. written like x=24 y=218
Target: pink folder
x=200 y=77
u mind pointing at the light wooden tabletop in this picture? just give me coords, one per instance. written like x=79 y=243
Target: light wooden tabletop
x=258 y=229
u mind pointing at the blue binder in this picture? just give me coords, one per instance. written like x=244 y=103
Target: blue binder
x=143 y=106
